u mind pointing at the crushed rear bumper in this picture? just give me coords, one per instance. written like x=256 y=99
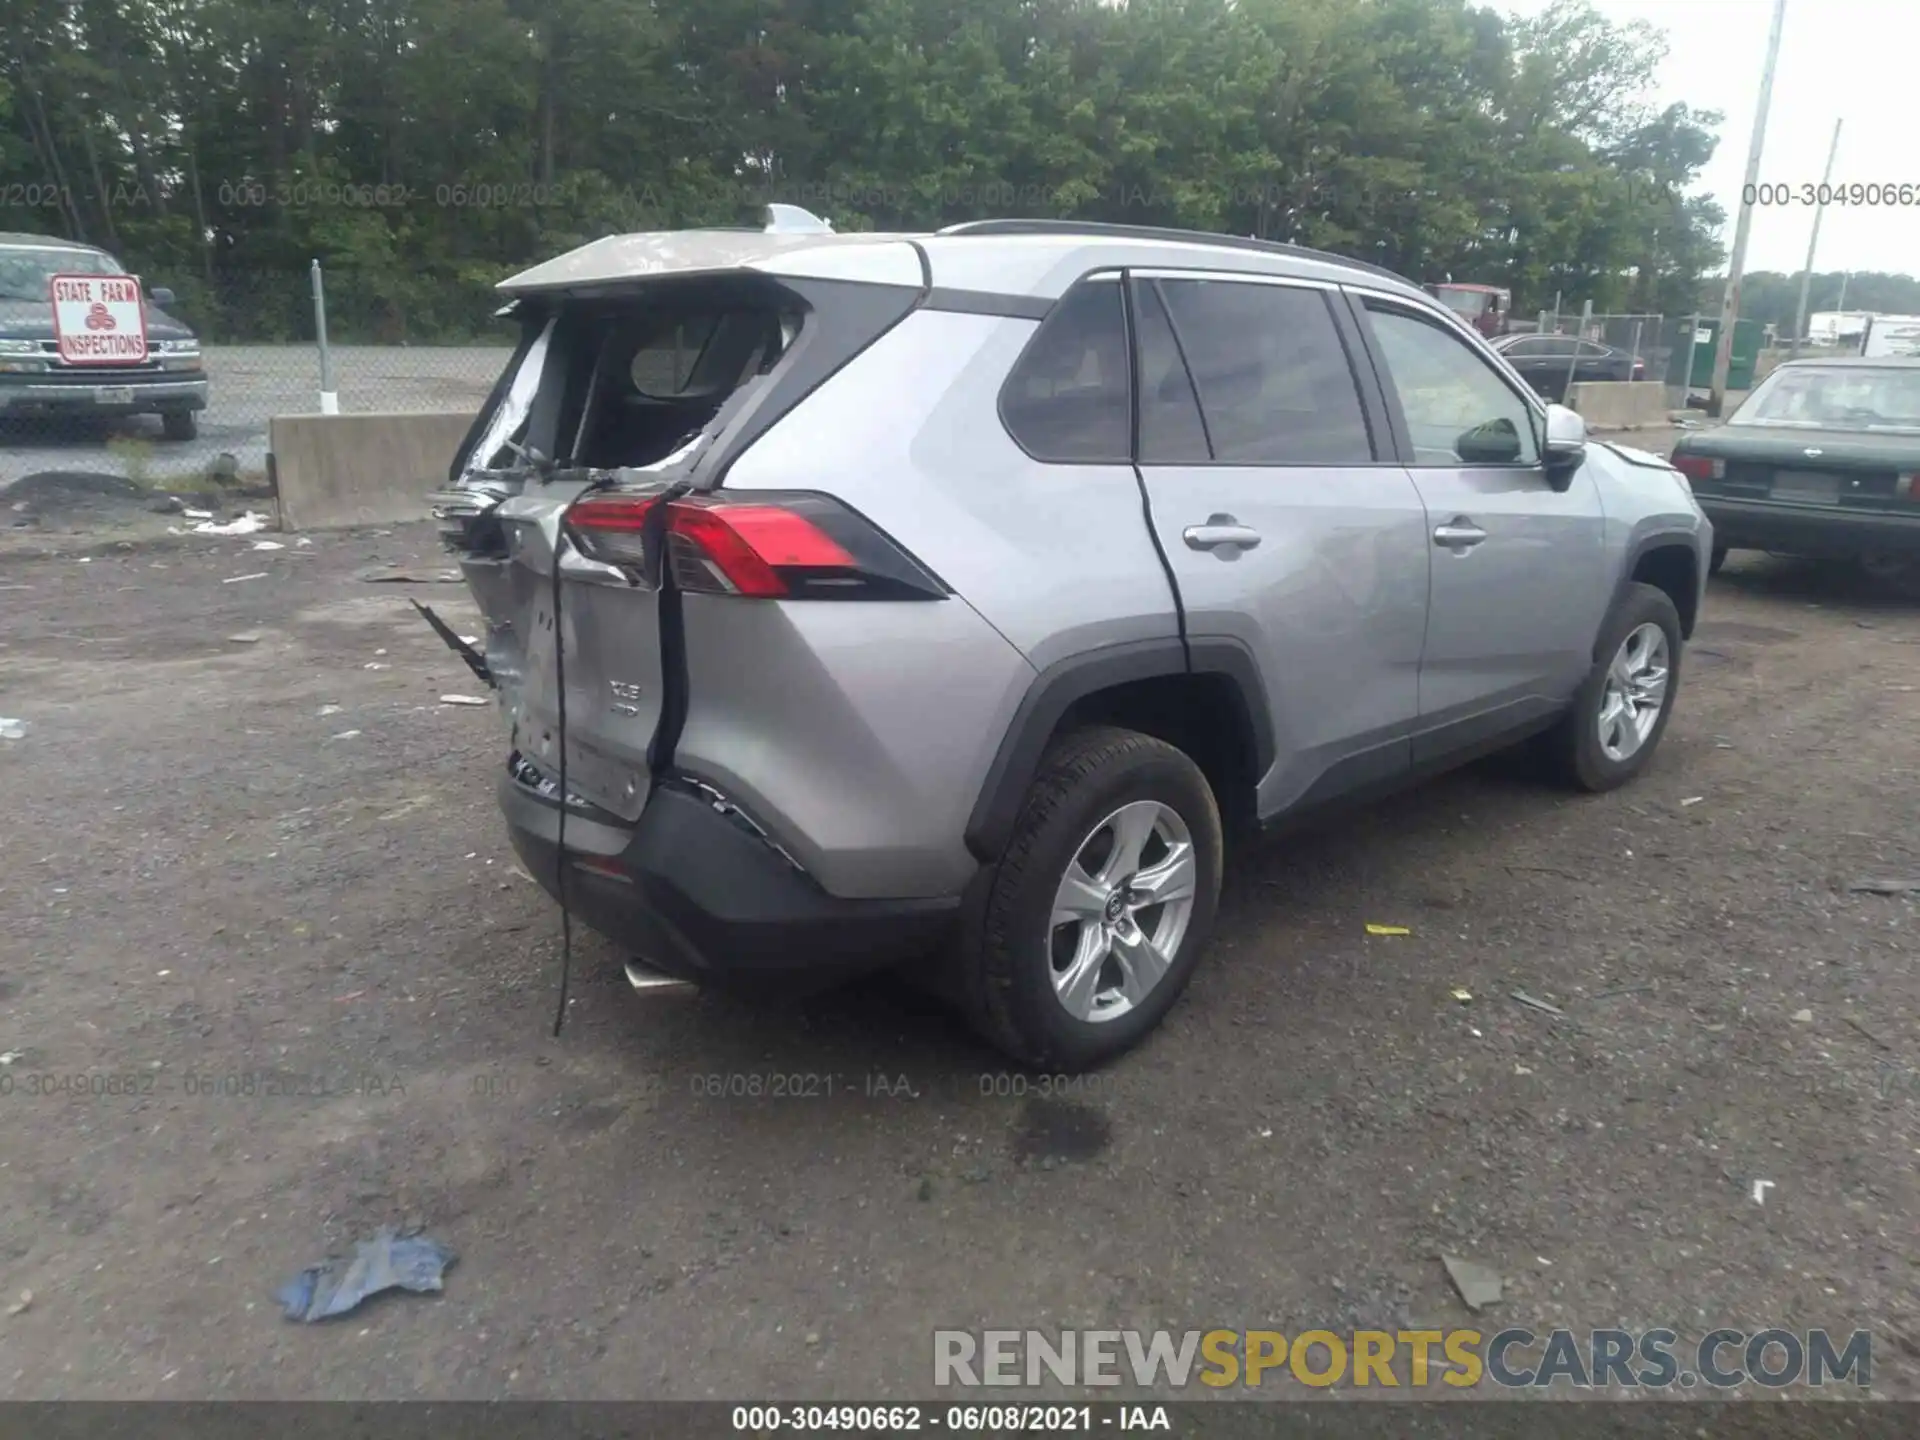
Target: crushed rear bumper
x=694 y=891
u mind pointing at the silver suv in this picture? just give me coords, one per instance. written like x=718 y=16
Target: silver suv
x=944 y=600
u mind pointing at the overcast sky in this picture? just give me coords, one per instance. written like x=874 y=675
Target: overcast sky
x=1853 y=60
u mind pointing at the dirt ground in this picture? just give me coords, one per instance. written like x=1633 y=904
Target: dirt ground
x=247 y=848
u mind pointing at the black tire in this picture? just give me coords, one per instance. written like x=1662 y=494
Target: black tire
x=1085 y=777
x=179 y=424
x=1573 y=746
x=1718 y=559
x=1896 y=575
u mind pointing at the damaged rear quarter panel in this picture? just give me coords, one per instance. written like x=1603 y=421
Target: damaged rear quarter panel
x=859 y=734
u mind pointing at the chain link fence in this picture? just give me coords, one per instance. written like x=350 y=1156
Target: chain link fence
x=261 y=355
x=1645 y=338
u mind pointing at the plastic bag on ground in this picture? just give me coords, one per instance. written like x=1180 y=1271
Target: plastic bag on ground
x=386 y=1262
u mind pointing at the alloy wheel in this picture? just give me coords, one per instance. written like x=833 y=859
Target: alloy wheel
x=1121 y=911
x=1635 y=693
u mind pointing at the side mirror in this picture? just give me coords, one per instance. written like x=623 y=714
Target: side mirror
x=1494 y=443
x=1566 y=445
x=160 y=296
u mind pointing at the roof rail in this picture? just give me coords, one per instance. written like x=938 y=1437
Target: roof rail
x=1100 y=228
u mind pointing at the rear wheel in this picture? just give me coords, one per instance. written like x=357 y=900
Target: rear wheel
x=179 y=424
x=1621 y=709
x=1897 y=573
x=1103 y=902
x=1718 y=558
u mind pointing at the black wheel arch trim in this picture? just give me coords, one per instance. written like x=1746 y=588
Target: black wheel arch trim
x=1644 y=546
x=1055 y=689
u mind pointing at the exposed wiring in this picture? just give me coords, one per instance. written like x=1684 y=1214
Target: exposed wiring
x=653 y=547
x=560 y=866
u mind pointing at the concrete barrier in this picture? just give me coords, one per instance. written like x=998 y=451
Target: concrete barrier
x=1620 y=404
x=336 y=471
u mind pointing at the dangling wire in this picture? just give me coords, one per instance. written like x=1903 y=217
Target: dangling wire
x=653 y=548
x=566 y=800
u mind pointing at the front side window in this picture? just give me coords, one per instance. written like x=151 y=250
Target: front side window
x=1458 y=410
x=1067 y=398
x=1273 y=380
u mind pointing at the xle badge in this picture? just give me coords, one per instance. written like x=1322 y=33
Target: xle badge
x=626 y=697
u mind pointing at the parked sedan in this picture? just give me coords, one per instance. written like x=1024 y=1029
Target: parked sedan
x=1822 y=460
x=80 y=336
x=1546 y=362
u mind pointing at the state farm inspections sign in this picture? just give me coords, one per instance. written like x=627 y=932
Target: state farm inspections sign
x=99 y=319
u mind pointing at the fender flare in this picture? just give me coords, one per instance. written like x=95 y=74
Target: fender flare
x=1659 y=540
x=1058 y=687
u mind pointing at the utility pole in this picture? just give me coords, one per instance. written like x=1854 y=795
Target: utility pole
x=1813 y=241
x=1736 y=263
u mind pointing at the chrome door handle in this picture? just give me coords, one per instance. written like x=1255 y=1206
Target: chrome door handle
x=1220 y=531
x=1459 y=534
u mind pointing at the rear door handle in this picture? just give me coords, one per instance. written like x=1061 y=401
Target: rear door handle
x=1460 y=533
x=1221 y=532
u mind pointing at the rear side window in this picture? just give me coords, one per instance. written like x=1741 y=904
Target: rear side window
x=1274 y=384
x=1067 y=397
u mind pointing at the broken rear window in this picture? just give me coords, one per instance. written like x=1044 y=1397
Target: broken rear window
x=628 y=380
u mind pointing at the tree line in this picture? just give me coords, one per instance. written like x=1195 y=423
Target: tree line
x=1774 y=299
x=424 y=148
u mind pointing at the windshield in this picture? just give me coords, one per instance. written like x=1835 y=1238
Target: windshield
x=1849 y=398
x=25 y=271
x=1465 y=302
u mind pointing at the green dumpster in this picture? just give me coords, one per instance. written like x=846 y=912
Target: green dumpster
x=1699 y=338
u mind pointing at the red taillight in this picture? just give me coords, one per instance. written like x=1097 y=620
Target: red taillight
x=744 y=547
x=777 y=546
x=1906 y=485
x=619 y=514
x=1700 y=467
x=607 y=528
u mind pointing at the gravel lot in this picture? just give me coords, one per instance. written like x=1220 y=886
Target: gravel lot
x=249 y=384
x=244 y=838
